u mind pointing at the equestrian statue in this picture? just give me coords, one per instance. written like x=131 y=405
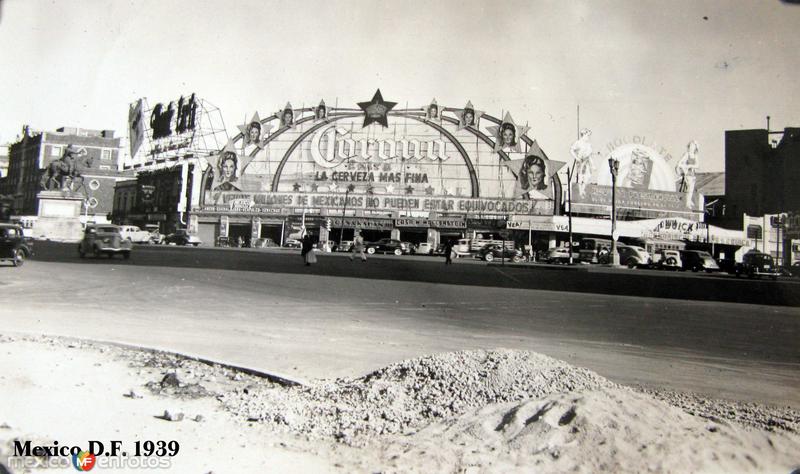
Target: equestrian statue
x=66 y=173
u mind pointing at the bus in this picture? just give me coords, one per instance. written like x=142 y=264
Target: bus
x=590 y=248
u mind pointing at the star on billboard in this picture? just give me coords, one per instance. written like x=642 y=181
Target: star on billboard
x=228 y=167
x=508 y=135
x=255 y=132
x=376 y=110
x=534 y=174
x=468 y=116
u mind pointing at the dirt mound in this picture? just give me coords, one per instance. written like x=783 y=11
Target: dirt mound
x=406 y=396
x=603 y=430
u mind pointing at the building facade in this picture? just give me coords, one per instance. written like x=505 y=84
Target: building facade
x=35 y=152
x=157 y=196
x=418 y=174
x=761 y=172
x=414 y=174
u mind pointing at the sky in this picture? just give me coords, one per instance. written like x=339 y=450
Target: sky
x=671 y=71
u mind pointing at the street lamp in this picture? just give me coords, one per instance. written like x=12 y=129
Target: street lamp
x=570 y=174
x=613 y=166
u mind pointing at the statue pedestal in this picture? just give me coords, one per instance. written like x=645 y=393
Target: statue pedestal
x=59 y=216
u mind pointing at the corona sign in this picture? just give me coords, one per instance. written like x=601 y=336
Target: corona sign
x=383 y=155
x=332 y=146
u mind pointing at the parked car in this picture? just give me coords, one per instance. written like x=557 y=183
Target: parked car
x=669 y=260
x=105 y=239
x=697 y=260
x=489 y=252
x=156 y=237
x=389 y=246
x=757 y=264
x=181 y=237
x=795 y=269
x=343 y=246
x=14 y=246
x=425 y=248
x=292 y=243
x=633 y=256
x=134 y=234
x=560 y=255
x=264 y=243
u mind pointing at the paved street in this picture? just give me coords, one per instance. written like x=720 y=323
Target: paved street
x=265 y=310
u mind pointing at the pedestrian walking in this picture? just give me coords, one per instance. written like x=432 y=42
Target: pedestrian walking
x=448 y=252
x=358 y=246
x=307 y=250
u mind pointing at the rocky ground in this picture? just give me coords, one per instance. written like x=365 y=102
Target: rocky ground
x=469 y=411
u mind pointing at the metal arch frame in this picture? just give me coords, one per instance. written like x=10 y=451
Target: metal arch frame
x=296 y=143
x=475 y=191
x=473 y=177
x=240 y=136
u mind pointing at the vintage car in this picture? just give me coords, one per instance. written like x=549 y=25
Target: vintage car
x=264 y=243
x=106 y=239
x=490 y=252
x=424 y=248
x=633 y=256
x=343 y=246
x=292 y=243
x=794 y=270
x=561 y=255
x=698 y=260
x=669 y=260
x=14 y=246
x=181 y=237
x=156 y=237
x=134 y=234
x=389 y=246
x=757 y=264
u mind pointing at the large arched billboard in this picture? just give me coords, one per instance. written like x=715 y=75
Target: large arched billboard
x=384 y=160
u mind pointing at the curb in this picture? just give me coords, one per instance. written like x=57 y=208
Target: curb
x=279 y=379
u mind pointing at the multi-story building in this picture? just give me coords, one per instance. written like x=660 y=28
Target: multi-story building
x=761 y=170
x=154 y=197
x=3 y=161
x=30 y=157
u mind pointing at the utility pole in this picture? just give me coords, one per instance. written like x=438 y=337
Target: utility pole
x=570 y=174
x=613 y=165
x=344 y=211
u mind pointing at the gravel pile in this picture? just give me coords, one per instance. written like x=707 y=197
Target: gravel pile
x=753 y=415
x=401 y=398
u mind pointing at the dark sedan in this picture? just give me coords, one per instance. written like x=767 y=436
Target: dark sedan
x=14 y=246
x=389 y=246
x=181 y=237
x=490 y=252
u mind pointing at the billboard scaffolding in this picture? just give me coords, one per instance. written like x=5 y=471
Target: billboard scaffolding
x=190 y=128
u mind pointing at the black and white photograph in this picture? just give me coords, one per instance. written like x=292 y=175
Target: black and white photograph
x=526 y=236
